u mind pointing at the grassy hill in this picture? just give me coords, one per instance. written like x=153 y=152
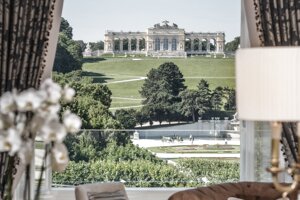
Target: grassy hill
x=125 y=76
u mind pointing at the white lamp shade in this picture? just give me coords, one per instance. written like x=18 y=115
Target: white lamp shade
x=268 y=83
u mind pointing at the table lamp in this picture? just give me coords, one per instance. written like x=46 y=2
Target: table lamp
x=268 y=89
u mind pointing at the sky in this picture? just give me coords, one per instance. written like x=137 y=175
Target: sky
x=90 y=18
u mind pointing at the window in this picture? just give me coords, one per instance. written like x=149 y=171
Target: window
x=174 y=45
x=166 y=45
x=157 y=44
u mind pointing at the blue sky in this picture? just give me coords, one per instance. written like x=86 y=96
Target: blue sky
x=90 y=18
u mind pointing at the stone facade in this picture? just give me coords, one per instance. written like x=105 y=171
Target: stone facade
x=164 y=41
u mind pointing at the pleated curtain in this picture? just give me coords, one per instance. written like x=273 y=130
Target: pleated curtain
x=24 y=37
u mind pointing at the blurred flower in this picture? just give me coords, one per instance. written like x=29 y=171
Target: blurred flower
x=68 y=93
x=53 y=90
x=28 y=100
x=36 y=113
x=10 y=141
x=7 y=120
x=72 y=122
x=53 y=131
x=60 y=157
x=7 y=103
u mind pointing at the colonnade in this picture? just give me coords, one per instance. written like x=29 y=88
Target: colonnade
x=130 y=44
x=204 y=45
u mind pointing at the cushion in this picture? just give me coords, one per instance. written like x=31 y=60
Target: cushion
x=254 y=197
x=234 y=198
x=118 y=195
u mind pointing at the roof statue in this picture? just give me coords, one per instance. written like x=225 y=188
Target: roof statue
x=166 y=23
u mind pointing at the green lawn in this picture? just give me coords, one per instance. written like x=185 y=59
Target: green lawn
x=197 y=149
x=217 y=71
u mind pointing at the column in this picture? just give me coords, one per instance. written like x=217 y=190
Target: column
x=208 y=45
x=121 y=44
x=218 y=46
x=161 y=44
x=200 y=45
x=129 y=44
x=112 y=45
x=192 y=44
x=137 y=44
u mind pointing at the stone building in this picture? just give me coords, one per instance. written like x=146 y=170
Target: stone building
x=164 y=40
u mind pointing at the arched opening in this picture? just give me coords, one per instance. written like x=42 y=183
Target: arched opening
x=142 y=44
x=188 y=45
x=116 y=44
x=212 y=44
x=125 y=44
x=196 y=44
x=133 y=44
x=204 y=45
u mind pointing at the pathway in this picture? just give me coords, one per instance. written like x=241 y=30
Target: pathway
x=188 y=77
x=197 y=155
x=125 y=107
x=158 y=143
x=127 y=98
x=128 y=80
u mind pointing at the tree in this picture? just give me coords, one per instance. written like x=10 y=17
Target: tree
x=82 y=44
x=97 y=45
x=217 y=99
x=233 y=45
x=68 y=55
x=141 y=117
x=66 y=28
x=203 y=101
x=91 y=102
x=161 y=91
x=230 y=97
x=189 y=104
x=95 y=90
x=126 y=118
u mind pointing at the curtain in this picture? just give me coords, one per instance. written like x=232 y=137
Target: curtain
x=24 y=37
x=278 y=24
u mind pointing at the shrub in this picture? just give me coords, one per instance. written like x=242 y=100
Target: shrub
x=216 y=171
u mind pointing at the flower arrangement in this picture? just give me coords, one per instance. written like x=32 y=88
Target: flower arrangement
x=34 y=114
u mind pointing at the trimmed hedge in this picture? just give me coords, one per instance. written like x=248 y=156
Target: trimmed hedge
x=216 y=171
x=139 y=173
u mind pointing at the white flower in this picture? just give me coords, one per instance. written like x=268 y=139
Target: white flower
x=7 y=120
x=53 y=109
x=53 y=90
x=53 y=131
x=59 y=157
x=10 y=141
x=68 y=93
x=26 y=151
x=28 y=100
x=36 y=123
x=21 y=117
x=7 y=103
x=72 y=122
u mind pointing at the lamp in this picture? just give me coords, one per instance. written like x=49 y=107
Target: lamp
x=268 y=89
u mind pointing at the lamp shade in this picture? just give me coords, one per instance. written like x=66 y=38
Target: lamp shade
x=268 y=83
